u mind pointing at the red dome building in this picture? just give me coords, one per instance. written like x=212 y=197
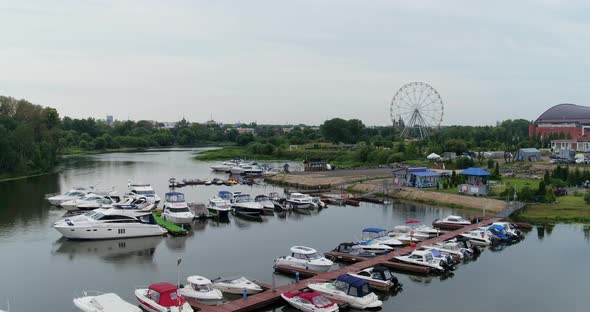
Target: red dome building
x=570 y=122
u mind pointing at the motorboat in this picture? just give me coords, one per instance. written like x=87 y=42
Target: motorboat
x=228 y=196
x=451 y=222
x=108 y=302
x=135 y=202
x=380 y=235
x=162 y=297
x=109 y=224
x=72 y=194
x=378 y=276
x=499 y=234
x=479 y=237
x=354 y=250
x=317 y=202
x=144 y=189
x=176 y=209
x=349 y=289
x=243 y=204
x=510 y=228
x=452 y=248
x=408 y=234
x=428 y=230
x=306 y=258
x=425 y=258
x=265 y=201
x=236 y=285
x=246 y=169
x=224 y=167
x=299 y=201
x=270 y=172
x=218 y=207
x=199 y=288
x=374 y=246
x=90 y=201
x=448 y=257
x=310 y=301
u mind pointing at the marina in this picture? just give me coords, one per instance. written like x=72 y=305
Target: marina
x=243 y=247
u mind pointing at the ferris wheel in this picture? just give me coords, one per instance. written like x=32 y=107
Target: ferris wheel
x=416 y=109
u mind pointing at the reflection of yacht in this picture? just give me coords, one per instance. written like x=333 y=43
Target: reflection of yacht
x=104 y=302
x=109 y=224
x=144 y=189
x=142 y=247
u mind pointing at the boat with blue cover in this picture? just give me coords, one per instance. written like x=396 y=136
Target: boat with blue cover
x=380 y=235
x=349 y=289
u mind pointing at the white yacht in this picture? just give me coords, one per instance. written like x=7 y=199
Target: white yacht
x=144 y=189
x=136 y=202
x=199 y=288
x=425 y=258
x=378 y=276
x=72 y=194
x=404 y=232
x=226 y=166
x=454 y=221
x=218 y=207
x=243 y=204
x=176 y=209
x=108 y=302
x=265 y=201
x=306 y=258
x=380 y=235
x=236 y=285
x=300 y=201
x=246 y=169
x=109 y=224
x=349 y=289
x=374 y=246
x=90 y=201
x=479 y=237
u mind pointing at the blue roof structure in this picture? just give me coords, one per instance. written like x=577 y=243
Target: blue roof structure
x=351 y=280
x=475 y=172
x=425 y=174
x=373 y=230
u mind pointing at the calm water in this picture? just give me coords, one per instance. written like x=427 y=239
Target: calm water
x=42 y=272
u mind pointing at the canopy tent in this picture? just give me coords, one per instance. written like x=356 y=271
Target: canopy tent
x=433 y=156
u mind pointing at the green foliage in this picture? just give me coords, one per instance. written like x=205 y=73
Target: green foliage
x=496 y=174
x=547 y=177
x=490 y=163
x=550 y=196
x=526 y=194
x=338 y=130
x=542 y=188
x=587 y=198
x=464 y=162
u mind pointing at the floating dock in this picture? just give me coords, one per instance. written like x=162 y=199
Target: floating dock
x=273 y=296
x=172 y=228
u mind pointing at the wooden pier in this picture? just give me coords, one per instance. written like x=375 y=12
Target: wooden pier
x=273 y=296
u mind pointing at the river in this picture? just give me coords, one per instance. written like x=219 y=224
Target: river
x=40 y=271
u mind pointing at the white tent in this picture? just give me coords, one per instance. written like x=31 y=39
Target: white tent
x=433 y=156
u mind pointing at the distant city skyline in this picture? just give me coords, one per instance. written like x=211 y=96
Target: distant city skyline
x=293 y=62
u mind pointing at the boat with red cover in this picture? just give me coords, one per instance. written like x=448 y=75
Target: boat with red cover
x=162 y=297
x=309 y=301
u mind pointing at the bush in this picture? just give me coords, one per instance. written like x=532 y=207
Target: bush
x=526 y=194
x=508 y=192
x=490 y=163
x=587 y=198
x=550 y=196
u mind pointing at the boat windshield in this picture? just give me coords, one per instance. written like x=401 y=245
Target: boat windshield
x=201 y=288
x=175 y=198
x=321 y=301
x=387 y=274
x=243 y=199
x=145 y=192
x=314 y=256
x=97 y=216
x=428 y=257
x=184 y=209
x=74 y=193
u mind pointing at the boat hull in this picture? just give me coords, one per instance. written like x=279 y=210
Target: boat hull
x=110 y=231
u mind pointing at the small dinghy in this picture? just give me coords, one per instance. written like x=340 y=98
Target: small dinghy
x=199 y=289
x=236 y=285
x=162 y=297
x=309 y=301
x=104 y=302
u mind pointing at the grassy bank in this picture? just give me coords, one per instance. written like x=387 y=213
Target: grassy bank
x=568 y=209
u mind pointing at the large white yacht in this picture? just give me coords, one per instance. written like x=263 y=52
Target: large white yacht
x=90 y=201
x=72 y=194
x=176 y=209
x=144 y=189
x=109 y=224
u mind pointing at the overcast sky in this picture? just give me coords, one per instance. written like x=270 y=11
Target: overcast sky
x=293 y=61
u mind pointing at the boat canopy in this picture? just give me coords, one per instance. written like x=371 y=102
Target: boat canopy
x=303 y=250
x=373 y=230
x=168 y=295
x=221 y=193
x=356 y=287
x=198 y=280
x=162 y=287
x=436 y=253
x=380 y=268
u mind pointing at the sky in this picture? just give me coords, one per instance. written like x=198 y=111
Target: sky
x=291 y=62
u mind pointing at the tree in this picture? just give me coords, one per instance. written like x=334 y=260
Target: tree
x=338 y=130
x=547 y=177
x=550 y=195
x=496 y=173
x=542 y=189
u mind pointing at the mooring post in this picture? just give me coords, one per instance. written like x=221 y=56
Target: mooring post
x=274 y=282
x=244 y=293
x=296 y=277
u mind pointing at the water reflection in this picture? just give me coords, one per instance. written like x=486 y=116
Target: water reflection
x=132 y=250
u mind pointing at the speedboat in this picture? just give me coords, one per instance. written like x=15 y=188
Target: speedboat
x=479 y=237
x=236 y=285
x=109 y=224
x=428 y=230
x=437 y=253
x=224 y=167
x=218 y=207
x=378 y=276
x=265 y=201
x=353 y=250
x=374 y=246
x=136 y=202
x=499 y=234
x=299 y=201
x=72 y=194
x=309 y=301
x=162 y=297
x=510 y=228
x=199 y=288
x=408 y=234
x=108 y=302
x=380 y=235
x=451 y=222
x=176 y=209
x=243 y=204
x=144 y=189
x=349 y=289
x=425 y=258
x=453 y=248
x=90 y=201
x=317 y=202
x=306 y=258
